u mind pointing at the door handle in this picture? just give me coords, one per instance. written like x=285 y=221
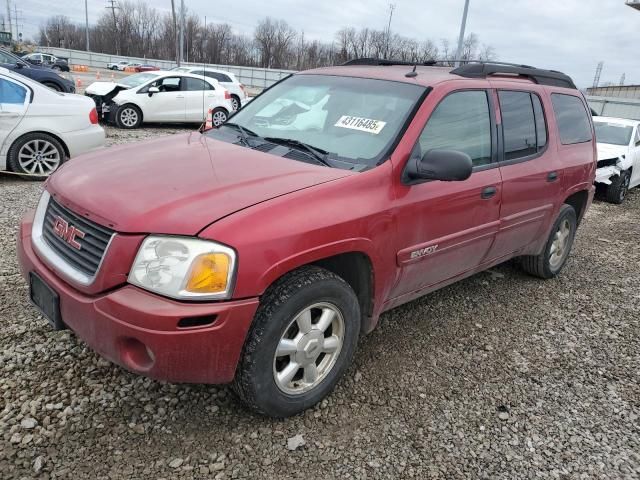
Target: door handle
x=552 y=177
x=488 y=192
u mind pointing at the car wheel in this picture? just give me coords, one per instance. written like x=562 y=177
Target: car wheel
x=128 y=116
x=235 y=102
x=556 y=251
x=53 y=86
x=56 y=67
x=302 y=340
x=218 y=116
x=37 y=155
x=617 y=191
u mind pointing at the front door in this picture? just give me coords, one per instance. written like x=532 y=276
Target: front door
x=14 y=101
x=446 y=228
x=168 y=105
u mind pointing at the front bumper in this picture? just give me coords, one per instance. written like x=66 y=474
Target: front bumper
x=139 y=330
x=604 y=174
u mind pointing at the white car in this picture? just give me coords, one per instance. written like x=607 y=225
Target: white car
x=228 y=80
x=118 y=65
x=159 y=97
x=40 y=129
x=618 y=156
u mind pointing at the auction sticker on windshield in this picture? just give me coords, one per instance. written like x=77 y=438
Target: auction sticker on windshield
x=362 y=124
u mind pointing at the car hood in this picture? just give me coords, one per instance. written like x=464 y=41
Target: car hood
x=103 y=88
x=608 y=150
x=177 y=184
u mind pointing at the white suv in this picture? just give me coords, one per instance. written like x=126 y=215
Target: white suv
x=228 y=80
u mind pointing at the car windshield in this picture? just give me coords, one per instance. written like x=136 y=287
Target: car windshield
x=137 y=79
x=613 y=133
x=180 y=69
x=9 y=58
x=355 y=120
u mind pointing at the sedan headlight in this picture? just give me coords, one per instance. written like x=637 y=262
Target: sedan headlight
x=184 y=268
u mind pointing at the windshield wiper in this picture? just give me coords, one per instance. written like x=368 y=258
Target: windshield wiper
x=243 y=132
x=316 y=153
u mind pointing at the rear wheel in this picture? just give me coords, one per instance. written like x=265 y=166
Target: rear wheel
x=53 y=86
x=56 y=67
x=128 y=116
x=302 y=340
x=218 y=116
x=556 y=251
x=235 y=102
x=36 y=154
x=617 y=191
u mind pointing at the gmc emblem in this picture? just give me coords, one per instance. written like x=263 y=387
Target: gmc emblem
x=67 y=232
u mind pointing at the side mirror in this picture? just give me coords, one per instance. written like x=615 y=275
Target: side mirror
x=153 y=90
x=19 y=65
x=445 y=165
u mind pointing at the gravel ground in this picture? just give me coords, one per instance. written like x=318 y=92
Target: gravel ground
x=501 y=376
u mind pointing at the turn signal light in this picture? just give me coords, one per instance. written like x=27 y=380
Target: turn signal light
x=209 y=273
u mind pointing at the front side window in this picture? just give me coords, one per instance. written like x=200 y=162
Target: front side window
x=460 y=122
x=166 y=84
x=354 y=120
x=572 y=119
x=12 y=93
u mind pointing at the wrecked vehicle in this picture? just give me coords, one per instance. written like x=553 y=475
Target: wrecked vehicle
x=618 y=156
x=161 y=97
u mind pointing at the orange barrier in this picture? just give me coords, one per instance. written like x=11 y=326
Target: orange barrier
x=80 y=68
x=78 y=82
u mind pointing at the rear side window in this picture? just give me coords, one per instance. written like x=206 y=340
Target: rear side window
x=541 y=124
x=12 y=93
x=221 y=77
x=572 y=119
x=520 y=126
x=460 y=122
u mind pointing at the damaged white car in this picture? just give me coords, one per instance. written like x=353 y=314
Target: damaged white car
x=618 y=156
x=160 y=97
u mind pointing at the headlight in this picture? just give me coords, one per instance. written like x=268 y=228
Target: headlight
x=184 y=268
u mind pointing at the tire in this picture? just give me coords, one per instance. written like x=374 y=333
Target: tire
x=276 y=323
x=37 y=155
x=128 y=116
x=56 y=67
x=548 y=264
x=617 y=191
x=235 y=102
x=221 y=114
x=53 y=86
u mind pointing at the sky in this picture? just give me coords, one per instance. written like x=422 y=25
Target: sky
x=567 y=35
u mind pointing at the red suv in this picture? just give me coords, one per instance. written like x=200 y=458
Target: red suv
x=258 y=253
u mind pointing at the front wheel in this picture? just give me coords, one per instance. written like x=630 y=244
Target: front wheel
x=302 y=340
x=556 y=251
x=617 y=191
x=128 y=116
x=53 y=86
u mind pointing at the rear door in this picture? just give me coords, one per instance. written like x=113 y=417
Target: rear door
x=446 y=228
x=14 y=102
x=198 y=95
x=531 y=170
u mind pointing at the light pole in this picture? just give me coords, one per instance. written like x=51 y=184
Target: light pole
x=463 y=26
x=86 y=23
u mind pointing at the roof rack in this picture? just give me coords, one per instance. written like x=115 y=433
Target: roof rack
x=543 y=77
x=480 y=69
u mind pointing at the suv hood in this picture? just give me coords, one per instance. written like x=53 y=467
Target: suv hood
x=177 y=184
x=608 y=150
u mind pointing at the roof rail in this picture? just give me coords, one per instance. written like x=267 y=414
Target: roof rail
x=538 y=75
x=385 y=62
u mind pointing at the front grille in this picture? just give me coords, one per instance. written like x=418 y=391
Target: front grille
x=93 y=245
x=609 y=162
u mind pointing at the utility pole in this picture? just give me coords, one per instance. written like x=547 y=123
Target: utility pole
x=113 y=8
x=86 y=24
x=596 y=79
x=463 y=27
x=392 y=7
x=9 y=18
x=181 y=56
x=175 y=31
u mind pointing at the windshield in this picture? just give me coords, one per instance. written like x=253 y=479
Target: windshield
x=353 y=119
x=613 y=133
x=180 y=69
x=137 y=79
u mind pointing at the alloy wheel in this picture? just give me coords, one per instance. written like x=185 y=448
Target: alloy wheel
x=128 y=117
x=218 y=118
x=235 y=103
x=560 y=244
x=39 y=157
x=308 y=348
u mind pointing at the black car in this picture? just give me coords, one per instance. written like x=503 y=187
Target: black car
x=44 y=75
x=47 y=60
